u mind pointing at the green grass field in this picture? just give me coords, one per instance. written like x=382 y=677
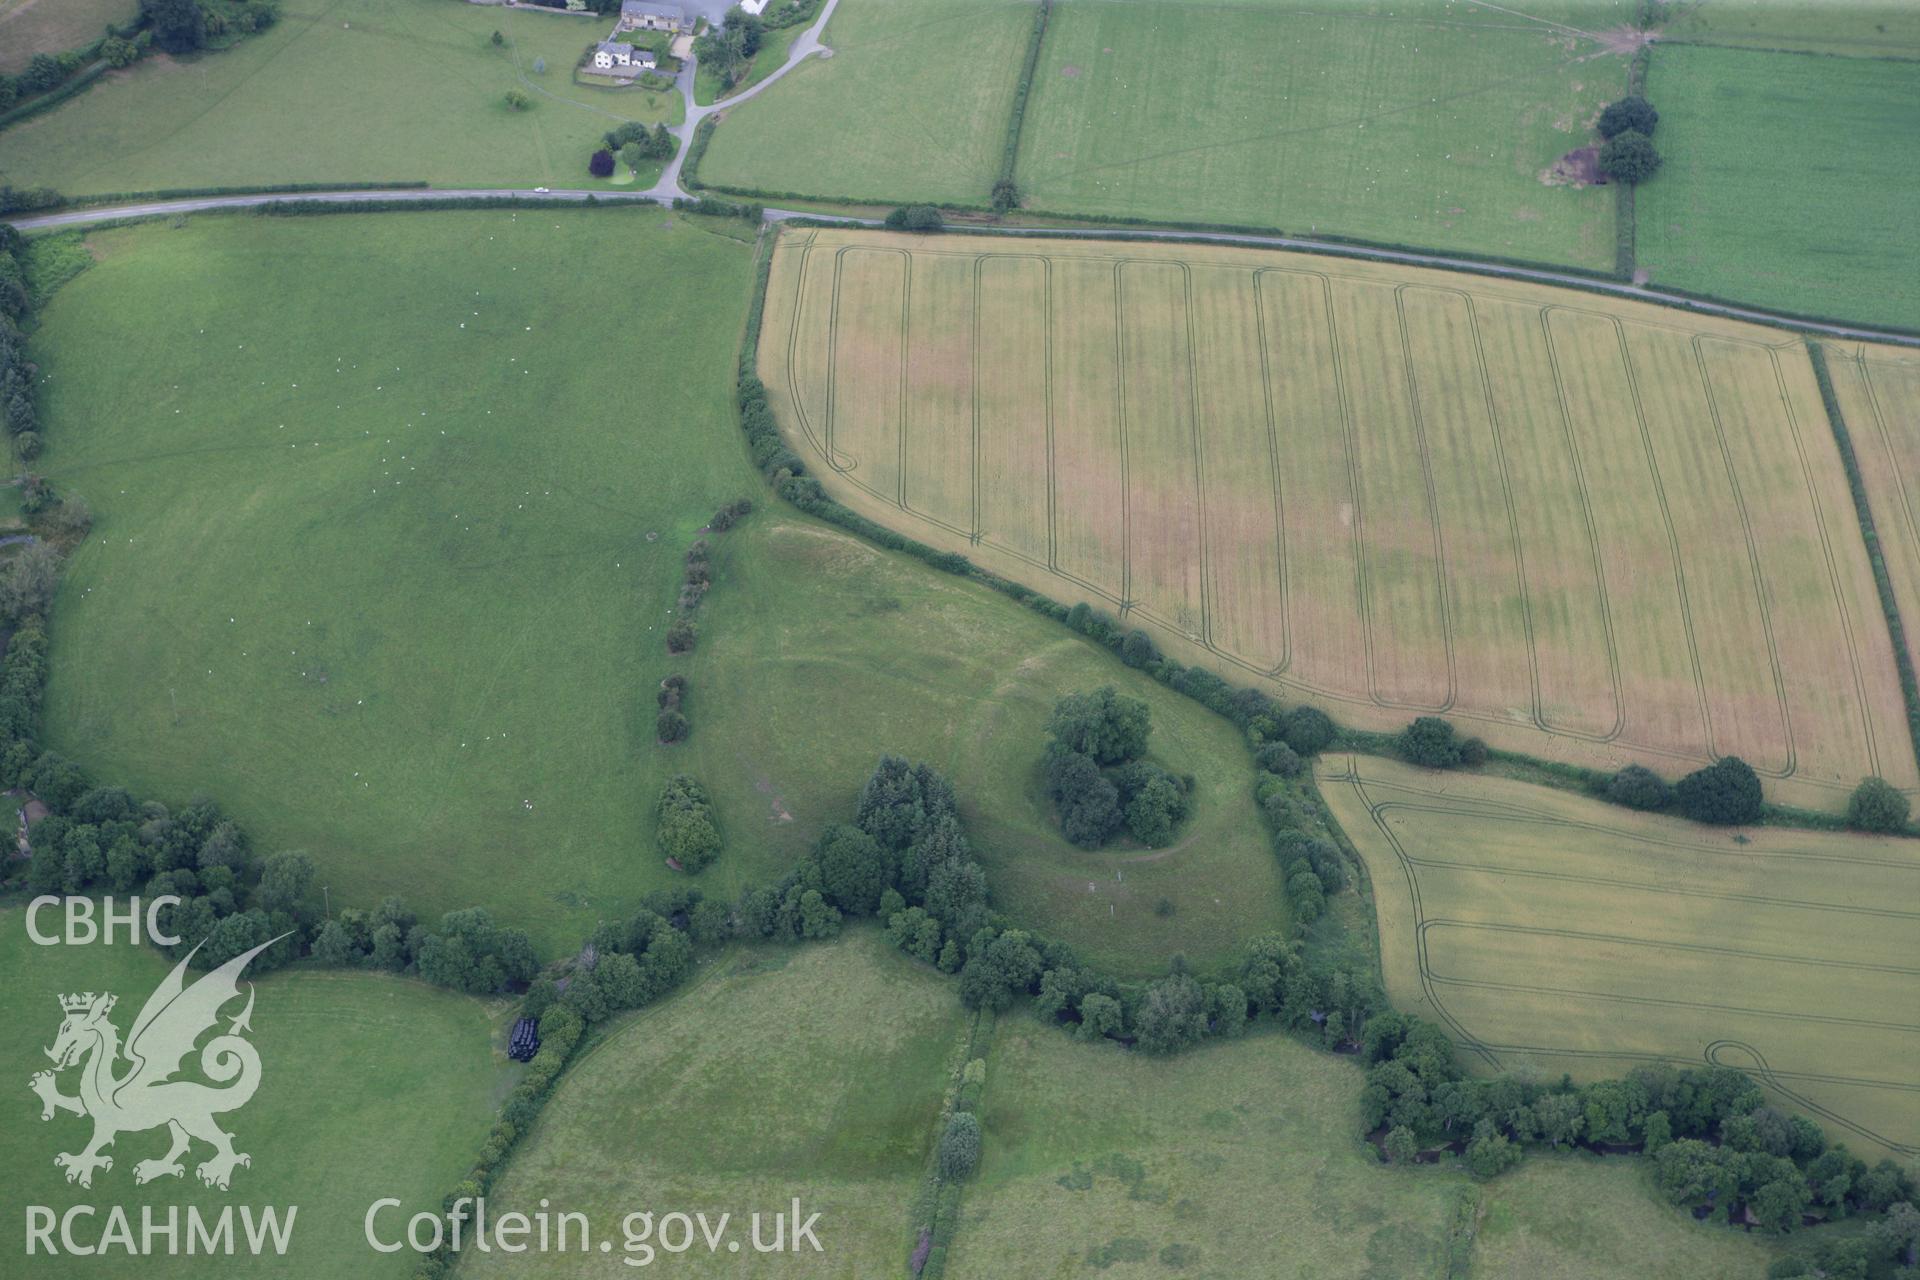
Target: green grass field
x=823 y=651
x=1787 y=181
x=371 y=1086
x=28 y=27
x=1854 y=28
x=391 y=512
x=1421 y=124
x=380 y=643
x=816 y=1072
x=819 y=1073
x=341 y=91
x=1586 y=1217
x=913 y=105
x=1245 y=1156
x=1551 y=933
x=1246 y=1153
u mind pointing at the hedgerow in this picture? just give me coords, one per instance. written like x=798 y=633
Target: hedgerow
x=1005 y=195
x=1876 y=554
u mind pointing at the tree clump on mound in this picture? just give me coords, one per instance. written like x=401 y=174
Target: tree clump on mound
x=1877 y=806
x=600 y=164
x=1725 y=793
x=1097 y=778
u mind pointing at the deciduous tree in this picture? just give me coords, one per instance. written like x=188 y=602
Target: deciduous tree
x=1630 y=158
x=1726 y=792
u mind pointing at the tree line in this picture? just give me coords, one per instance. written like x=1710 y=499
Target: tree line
x=169 y=26
x=730 y=48
x=1726 y=792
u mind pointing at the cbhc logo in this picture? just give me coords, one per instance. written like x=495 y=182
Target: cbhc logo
x=82 y=928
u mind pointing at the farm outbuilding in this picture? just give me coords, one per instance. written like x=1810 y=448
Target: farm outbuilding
x=642 y=15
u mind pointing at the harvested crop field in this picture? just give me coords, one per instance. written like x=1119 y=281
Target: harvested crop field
x=1878 y=390
x=1592 y=529
x=1549 y=932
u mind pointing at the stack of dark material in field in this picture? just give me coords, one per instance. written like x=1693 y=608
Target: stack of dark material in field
x=525 y=1041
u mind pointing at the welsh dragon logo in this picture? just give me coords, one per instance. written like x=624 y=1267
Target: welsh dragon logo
x=145 y=1094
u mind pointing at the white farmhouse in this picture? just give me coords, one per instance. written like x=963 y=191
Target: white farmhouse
x=618 y=58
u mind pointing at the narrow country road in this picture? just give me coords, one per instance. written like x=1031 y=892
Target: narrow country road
x=658 y=195
x=804 y=45
x=808 y=44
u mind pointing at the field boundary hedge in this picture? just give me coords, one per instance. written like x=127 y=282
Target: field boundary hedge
x=1024 y=90
x=185 y=193
x=1798 y=53
x=1577 y=779
x=696 y=152
x=77 y=83
x=936 y=1212
x=1625 y=203
x=1876 y=556
x=308 y=208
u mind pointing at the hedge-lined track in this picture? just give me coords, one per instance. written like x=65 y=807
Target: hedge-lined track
x=1549 y=931
x=1369 y=485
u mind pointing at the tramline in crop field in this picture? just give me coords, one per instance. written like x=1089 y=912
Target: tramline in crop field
x=1595 y=529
